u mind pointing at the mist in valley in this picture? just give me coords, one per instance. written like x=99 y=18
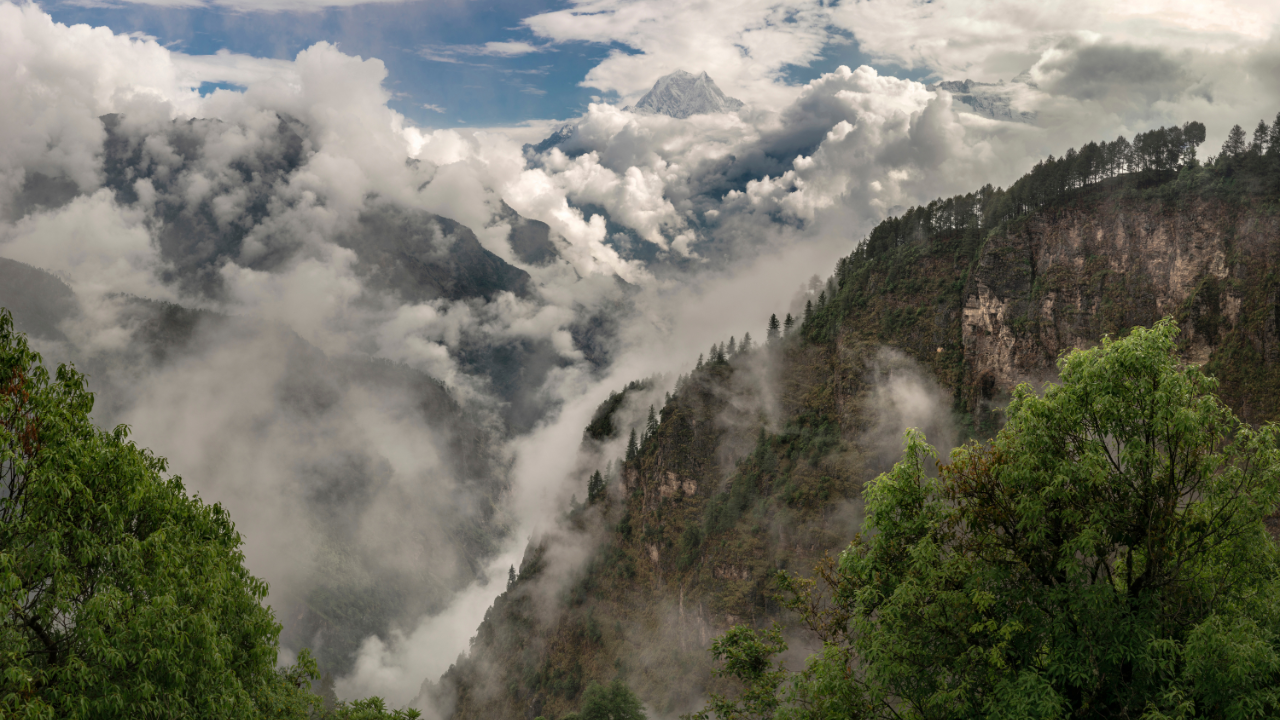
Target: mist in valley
x=378 y=344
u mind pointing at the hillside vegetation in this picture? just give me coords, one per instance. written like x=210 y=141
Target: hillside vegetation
x=758 y=461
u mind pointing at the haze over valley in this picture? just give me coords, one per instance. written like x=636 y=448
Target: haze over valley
x=472 y=339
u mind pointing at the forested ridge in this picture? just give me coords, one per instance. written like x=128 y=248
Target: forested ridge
x=956 y=599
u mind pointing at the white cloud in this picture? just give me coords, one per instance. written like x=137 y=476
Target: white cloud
x=743 y=44
x=241 y=5
x=501 y=49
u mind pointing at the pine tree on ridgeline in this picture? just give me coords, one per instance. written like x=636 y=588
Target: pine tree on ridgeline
x=1234 y=146
x=771 y=335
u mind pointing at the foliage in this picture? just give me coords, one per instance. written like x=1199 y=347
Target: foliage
x=826 y=688
x=124 y=597
x=368 y=709
x=602 y=426
x=595 y=488
x=1105 y=555
x=614 y=701
x=1085 y=560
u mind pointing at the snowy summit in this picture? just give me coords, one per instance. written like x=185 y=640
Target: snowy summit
x=682 y=94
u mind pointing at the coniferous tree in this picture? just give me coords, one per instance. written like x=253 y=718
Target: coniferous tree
x=632 y=448
x=1273 y=138
x=1234 y=146
x=772 y=333
x=595 y=488
x=651 y=427
x=1259 y=145
x=699 y=365
x=733 y=347
x=511 y=576
x=746 y=343
x=808 y=310
x=788 y=324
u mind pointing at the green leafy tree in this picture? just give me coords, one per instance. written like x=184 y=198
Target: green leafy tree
x=825 y=689
x=122 y=596
x=614 y=701
x=373 y=708
x=1104 y=556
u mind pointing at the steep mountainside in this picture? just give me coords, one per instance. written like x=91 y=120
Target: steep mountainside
x=755 y=462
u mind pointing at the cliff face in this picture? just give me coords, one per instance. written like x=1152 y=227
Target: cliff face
x=757 y=462
x=1063 y=279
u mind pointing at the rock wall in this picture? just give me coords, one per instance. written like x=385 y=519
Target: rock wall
x=1065 y=279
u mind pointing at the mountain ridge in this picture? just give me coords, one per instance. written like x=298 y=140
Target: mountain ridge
x=949 y=305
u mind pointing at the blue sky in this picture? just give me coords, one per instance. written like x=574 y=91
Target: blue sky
x=436 y=76
x=473 y=90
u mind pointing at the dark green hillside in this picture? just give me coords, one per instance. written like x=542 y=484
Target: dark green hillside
x=758 y=460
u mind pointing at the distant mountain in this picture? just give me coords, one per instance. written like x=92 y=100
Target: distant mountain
x=422 y=257
x=682 y=94
x=990 y=100
x=530 y=239
x=559 y=137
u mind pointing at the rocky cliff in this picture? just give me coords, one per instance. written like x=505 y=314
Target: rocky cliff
x=1064 y=278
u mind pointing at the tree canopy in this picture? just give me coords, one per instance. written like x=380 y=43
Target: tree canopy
x=123 y=596
x=1104 y=556
x=614 y=701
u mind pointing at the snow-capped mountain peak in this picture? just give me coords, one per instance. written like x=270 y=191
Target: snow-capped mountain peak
x=682 y=94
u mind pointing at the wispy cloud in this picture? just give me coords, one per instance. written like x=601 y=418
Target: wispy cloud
x=496 y=49
x=433 y=108
x=502 y=49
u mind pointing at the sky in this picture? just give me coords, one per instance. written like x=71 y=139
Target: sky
x=261 y=137
x=450 y=62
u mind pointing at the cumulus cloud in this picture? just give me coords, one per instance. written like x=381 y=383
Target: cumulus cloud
x=752 y=42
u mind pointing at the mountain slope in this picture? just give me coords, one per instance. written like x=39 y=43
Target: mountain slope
x=756 y=461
